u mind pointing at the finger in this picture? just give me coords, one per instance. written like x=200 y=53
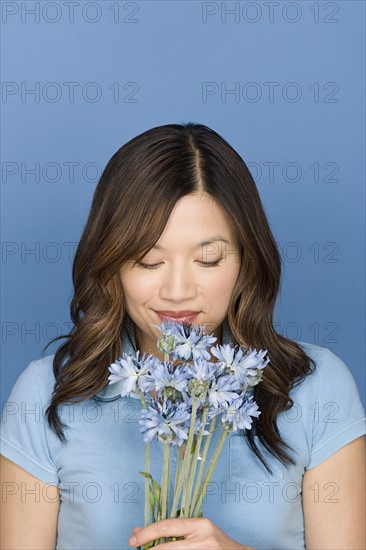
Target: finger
x=135 y=529
x=177 y=545
x=175 y=527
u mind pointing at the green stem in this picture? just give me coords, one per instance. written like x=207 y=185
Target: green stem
x=188 y=465
x=187 y=453
x=179 y=462
x=147 y=469
x=178 y=466
x=187 y=469
x=202 y=465
x=194 y=465
x=210 y=471
x=165 y=482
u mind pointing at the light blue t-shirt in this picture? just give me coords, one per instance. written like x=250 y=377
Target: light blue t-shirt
x=102 y=493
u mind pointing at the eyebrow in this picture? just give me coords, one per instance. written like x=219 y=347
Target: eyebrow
x=211 y=240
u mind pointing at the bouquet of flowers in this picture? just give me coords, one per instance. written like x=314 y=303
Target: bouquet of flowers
x=184 y=400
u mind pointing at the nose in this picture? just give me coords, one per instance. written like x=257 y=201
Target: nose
x=178 y=285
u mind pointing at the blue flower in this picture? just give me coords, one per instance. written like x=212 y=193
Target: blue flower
x=130 y=370
x=169 y=422
x=165 y=375
x=202 y=369
x=148 y=366
x=237 y=415
x=190 y=341
x=223 y=390
x=166 y=343
x=245 y=367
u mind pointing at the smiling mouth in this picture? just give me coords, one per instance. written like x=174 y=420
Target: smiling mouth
x=182 y=318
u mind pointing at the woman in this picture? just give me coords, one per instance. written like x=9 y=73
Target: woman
x=176 y=226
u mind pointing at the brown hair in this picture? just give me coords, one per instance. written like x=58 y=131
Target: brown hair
x=135 y=195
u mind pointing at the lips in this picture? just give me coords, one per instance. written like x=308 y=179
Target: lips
x=186 y=316
x=183 y=313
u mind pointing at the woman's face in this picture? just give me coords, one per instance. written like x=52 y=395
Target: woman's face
x=177 y=278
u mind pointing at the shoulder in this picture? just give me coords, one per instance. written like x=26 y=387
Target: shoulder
x=330 y=369
x=37 y=379
x=43 y=372
x=328 y=405
x=26 y=438
x=330 y=387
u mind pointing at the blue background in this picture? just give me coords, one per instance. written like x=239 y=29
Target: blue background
x=164 y=58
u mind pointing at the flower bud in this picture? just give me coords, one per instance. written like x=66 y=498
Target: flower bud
x=165 y=438
x=172 y=394
x=166 y=344
x=227 y=426
x=254 y=380
x=198 y=388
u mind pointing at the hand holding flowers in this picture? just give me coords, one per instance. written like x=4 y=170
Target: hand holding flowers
x=198 y=533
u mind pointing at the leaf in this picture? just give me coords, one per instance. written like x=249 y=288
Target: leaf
x=152 y=504
x=146 y=474
x=157 y=492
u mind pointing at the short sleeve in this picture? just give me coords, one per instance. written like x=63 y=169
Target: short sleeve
x=338 y=413
x=24 y=427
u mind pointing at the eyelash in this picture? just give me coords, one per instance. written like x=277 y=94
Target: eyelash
x=153 y=266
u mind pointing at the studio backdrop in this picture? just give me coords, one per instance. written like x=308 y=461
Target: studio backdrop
x=283 y=82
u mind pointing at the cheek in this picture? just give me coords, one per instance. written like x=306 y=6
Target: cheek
x=220 y=286
x=137 y=286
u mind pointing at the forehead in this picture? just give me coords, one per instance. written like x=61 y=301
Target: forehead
x=195 y=221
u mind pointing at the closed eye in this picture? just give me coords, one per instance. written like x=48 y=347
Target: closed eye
x=154 y=266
